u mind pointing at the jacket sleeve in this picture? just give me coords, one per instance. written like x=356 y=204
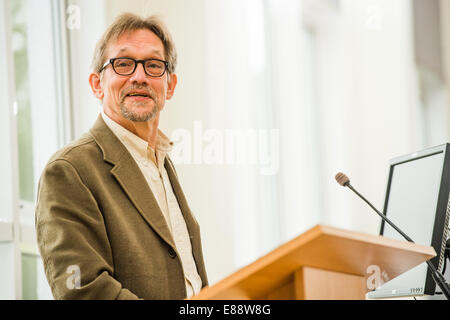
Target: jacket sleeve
x=72 y=237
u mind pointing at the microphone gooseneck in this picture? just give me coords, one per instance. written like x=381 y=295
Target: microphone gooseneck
x=344 y=181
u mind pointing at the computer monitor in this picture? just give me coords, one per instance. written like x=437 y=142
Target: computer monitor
x=417 y=201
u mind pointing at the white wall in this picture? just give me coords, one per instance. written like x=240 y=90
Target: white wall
x=445 y=41
x=82 y=42
x=369 y=104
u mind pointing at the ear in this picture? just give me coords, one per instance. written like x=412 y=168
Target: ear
x=171 y=86
x=95 y=82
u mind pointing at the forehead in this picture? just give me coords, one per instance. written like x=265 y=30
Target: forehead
x=140 y=43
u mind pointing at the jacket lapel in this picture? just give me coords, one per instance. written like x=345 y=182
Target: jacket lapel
x=188 y=217
x=191 y=223
x=130 y=178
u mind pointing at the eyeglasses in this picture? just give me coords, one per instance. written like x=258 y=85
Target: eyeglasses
x=127 y=66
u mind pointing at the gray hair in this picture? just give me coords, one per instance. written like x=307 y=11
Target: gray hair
x=127 y=22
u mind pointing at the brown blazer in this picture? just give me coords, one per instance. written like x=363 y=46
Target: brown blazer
x=96 y=214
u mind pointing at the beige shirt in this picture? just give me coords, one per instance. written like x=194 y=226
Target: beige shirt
x=151 y=164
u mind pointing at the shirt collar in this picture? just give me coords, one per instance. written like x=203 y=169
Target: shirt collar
x=139 y=147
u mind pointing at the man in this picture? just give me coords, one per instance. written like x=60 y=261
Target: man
x=112 y=221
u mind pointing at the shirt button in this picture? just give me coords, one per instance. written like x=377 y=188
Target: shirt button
x=172 y=253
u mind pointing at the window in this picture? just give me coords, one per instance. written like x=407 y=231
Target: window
x=33 y=34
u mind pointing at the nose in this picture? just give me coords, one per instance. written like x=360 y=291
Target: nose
x=139 y=74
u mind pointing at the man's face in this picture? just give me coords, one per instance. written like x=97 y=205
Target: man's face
x=136 y=97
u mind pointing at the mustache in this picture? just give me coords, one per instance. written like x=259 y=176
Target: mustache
x=132 y=88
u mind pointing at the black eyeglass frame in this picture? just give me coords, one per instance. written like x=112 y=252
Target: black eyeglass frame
x=136 y=62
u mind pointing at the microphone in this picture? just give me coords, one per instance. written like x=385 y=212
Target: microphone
x=344 y=181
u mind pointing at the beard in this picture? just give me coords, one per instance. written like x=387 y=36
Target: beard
x=132 y=115
x=130 y=111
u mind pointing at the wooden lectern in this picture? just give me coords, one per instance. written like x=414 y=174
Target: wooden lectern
x=322 y=263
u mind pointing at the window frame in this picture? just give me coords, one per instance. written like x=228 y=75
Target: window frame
x=10 y=228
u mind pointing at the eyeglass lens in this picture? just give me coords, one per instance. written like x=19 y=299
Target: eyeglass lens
x=125 y=66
